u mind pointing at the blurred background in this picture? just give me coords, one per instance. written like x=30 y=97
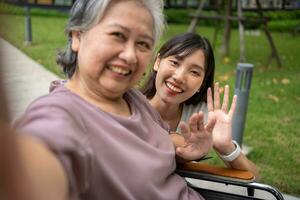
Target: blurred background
x=266 y=35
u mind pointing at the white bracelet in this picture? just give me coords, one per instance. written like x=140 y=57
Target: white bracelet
x=233 y=155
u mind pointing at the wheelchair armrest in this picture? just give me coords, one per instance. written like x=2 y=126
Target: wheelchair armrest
x=214 y=173
x=225 y=175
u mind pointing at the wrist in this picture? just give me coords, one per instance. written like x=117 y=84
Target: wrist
x=225 y=149
x=233 y=154
x=178 y=140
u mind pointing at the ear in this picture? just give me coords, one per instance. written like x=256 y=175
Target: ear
x=75 y=40
x=156 y=64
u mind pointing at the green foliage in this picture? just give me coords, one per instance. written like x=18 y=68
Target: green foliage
x=283 y=15
x=19 y=10
x=183 y=16
x=278 y=20
x=284 y=25
x=276 y=15
x=177 y=16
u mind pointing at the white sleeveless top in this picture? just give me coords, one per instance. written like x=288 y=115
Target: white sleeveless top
x=188 y=110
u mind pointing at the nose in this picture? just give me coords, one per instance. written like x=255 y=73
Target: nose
x=128 y=54
x=179 y=75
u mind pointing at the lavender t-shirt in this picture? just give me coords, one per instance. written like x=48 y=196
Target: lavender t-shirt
x=107 y=156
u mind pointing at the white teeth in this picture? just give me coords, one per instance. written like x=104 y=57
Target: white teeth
x=119 y=70
x=173 y=88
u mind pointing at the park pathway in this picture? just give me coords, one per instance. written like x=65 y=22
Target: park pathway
x=24 y=79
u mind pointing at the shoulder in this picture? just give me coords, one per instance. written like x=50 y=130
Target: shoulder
x=140 y=102
x=136 y=93
x=60 y=97
x=48 y=109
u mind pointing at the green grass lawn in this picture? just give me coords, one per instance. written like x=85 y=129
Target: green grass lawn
x=272 y=127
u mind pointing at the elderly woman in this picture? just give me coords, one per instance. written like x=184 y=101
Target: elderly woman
x=96 y=137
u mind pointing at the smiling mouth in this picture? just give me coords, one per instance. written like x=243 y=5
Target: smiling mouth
x=119 y=70
x=173 y=88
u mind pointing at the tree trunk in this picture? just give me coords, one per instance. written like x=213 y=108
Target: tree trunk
x=193 y=24
x=274 y=53
x=241 y=32
x=225 y=50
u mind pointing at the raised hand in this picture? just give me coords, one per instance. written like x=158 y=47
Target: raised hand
x=222 y=132
x=197 y=137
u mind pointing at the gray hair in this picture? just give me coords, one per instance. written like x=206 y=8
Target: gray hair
x=85 y=14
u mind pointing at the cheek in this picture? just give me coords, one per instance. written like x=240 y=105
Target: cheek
x=157 y=83
x=90 y=64
x=201 y=81
x=144 y=61
x=196 y=83
x=160 y=78
x=165 y=71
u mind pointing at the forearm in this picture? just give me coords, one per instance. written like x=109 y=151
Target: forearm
x=42 y=170
x=243 y=163
x=239 y=162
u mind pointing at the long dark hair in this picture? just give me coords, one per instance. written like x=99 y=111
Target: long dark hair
x=184 y=45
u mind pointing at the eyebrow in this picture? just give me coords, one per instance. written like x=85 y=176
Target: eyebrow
x=180 y=58
x=199 y=67
x=145 y=36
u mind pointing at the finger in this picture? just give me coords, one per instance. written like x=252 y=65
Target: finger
x=185 y=130
x=210 y=125
x=210 y=105
x=200 y=121
x=225 y=99
x=193 y=122
x=210 y=116
x=216 y=96
x=233 y=106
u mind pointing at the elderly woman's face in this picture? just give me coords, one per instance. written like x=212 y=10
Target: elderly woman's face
x=114 y=54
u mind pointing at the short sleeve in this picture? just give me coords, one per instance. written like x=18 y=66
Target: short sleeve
x=62 y=133
x=137 y=96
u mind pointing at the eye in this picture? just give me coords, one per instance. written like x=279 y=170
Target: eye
x=173 y=62
x=195 y=73
x=119 y=35
x=144 y=45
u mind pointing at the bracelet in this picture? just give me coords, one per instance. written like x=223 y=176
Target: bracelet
x=233 y=155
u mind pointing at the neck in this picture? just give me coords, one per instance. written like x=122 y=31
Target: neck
x=170 y=113
x=116 y=105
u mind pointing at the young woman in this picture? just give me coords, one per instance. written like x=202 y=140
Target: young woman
x=180 y=85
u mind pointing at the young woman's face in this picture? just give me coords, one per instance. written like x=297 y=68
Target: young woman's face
x=114 y=54
x=179 y=78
